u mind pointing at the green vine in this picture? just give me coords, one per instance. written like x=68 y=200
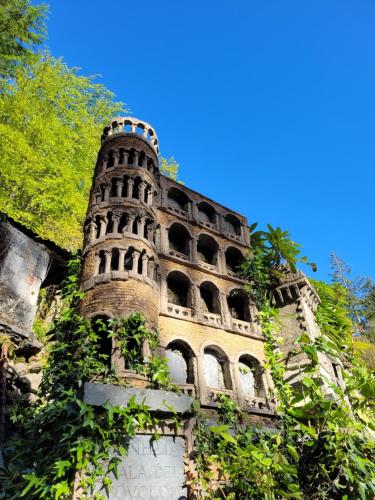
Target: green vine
x=61 y=438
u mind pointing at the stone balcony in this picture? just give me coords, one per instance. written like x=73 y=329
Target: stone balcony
x=129 y=124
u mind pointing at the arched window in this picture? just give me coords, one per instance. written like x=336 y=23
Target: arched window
x=115 y=259
x=251 y=377
x=110 y=223
x=233 y=225
x=216 y=369
x=123 y=222
x=206 y=213
x=129 y=259
x=137 y=183
x=97 y=226
x=180 y=358
x=178 y=199
x=179 y=239
x=179 y=290
x=233 y=259
x=207 y=249
x=100 y=326
x=210 y=298
x=101 y=262
x=238 y=304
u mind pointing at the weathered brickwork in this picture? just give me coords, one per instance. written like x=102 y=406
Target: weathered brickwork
x=155 y=246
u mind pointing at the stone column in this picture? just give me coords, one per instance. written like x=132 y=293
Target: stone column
x=163 y=292
x=135 y=255
x=121 y=259
x=144 y=265
x=105 y=163
x=134 y=128
x=97 y=264
x=92 y=231
x=141 y=226
x=222 y=264
x=189 y=210
x=226 y=317
x=98 y=196
x=130 y=187
x=144 y=162
x=201 y=382
x=135 y=159
x=150 y=197
x=116 y=157
x=129 y=225
x=119 y=186
x=164 y=243
x=196 y=300
x=126 y=158
x=236 y=381
x=150 y=232
x=106 y=192
x=194 y=209
x=107 y=262
x=116 y=220
x=151 y=269
x=194 y=249
x=103 y=226
x=142 y=188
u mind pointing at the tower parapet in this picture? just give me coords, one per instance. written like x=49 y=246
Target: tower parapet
x=120 y=260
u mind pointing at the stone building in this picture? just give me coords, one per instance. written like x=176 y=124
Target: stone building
x=155 y=246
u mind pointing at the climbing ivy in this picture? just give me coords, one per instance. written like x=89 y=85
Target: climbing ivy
x=323 y=445
x=60 y=435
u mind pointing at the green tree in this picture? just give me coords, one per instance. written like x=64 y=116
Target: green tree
x=50 y=126
x=169 y=167
x=22 y=29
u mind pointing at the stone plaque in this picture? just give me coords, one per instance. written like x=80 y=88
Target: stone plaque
x=151 y=470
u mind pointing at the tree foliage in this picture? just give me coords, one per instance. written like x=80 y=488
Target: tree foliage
x=50 y=124
x=22 y=29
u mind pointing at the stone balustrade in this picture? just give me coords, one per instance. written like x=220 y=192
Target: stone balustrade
x=178 y=311
x=129 y=124
x=212 y=319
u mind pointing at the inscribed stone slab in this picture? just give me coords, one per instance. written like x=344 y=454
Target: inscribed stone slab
x=151 y=471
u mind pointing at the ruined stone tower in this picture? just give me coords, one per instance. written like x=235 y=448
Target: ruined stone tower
x=157 y=247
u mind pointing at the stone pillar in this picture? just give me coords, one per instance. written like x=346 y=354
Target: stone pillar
x=194 y=209
x=103 y=226
x=163 y=292
x=222 y=264
x=116 y=157
x=116 y=220
x=97 y=264
x=107 y=262
x=142 y=188
x=196 y=300
x=129 y=225
x=236 y=381
x=106 y=192
x=98 y=196
x=144 y=265
x=150 y=232
x=226 y=317
x=135 y=159
x=141 y=227
x=150 y=197
x=119 y=186
x=201 y=382
x=134 y=128
x=130 y=187
x=194 y=249
x=190 y=210
x=92 y=231
x=105 y=163
x=144 y=162
x=136 y=254
x=121 y=260
x=164 y=243
x=151 y=269
x=126 y=158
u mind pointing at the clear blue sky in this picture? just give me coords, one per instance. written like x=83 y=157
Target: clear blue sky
x=268 y=106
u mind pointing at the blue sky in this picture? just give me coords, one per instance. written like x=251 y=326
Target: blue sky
x=268 y=106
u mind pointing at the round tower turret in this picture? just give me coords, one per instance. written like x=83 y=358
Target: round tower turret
x=120 y=262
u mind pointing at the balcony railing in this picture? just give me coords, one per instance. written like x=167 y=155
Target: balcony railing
x=179 y=255
x=206 y=265
x=241 y=326
x=188 y=389
x=179 y=311
x=212 y=319
x=178 y=211
x=256 y=403
x=214 y=393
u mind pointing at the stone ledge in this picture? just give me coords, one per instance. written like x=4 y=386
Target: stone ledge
x=98 y=394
